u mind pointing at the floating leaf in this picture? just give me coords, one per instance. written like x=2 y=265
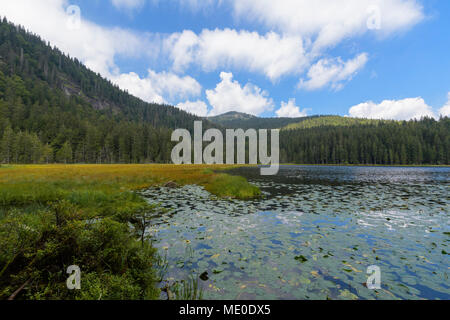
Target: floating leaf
x=301 y=258
x=315 y=274
x=204 y=276
x=345 y=294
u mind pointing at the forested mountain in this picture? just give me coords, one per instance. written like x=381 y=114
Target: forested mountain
x=54 y=109
x=332 y=121
x=385 y=142
x=343 y=140
x=235 y=120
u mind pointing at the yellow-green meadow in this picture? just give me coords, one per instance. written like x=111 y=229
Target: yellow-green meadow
x=54 y=216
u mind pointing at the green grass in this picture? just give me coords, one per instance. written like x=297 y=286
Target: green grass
x=54 y=216
x=188 y=289
x=227 y=186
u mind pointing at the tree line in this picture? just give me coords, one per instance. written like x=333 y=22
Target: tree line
x=387 y=143
x=54 y=109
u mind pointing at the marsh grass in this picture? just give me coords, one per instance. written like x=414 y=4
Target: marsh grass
x=53 y=216
x=188 y=289
x=232 y=187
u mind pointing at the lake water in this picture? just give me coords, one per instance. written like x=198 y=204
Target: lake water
x=313 y=235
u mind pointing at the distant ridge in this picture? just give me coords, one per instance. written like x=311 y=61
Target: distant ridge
x=235 y=120
x=54 y=109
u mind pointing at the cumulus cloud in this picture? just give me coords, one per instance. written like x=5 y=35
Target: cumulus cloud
x=229 y=95
x=270 y=54
x=128 y=4
x=290 y=110
x=327 y=22
x=299 y=32
x=94 y=45
x=445 y=110
x=406 y=109
x=198 y=108
x=334 y=72
x=98 y=47
x=156 y=86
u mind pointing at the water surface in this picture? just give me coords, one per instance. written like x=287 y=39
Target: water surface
x=313 y=235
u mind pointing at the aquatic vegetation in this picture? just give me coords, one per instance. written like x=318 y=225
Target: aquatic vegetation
x=188 y=289
x=232 y=187
x=54 y=216
x=313 y=234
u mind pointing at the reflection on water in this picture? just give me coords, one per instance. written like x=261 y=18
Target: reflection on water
x=313 y=235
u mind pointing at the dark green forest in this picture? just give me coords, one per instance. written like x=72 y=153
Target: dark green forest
x=238 y=120
x=54 y=109
x=386 y=143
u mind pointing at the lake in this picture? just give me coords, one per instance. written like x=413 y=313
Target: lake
x=313 y=235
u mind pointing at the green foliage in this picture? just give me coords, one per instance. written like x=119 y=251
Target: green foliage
x=64 y=155
x=237 y=120
x=332 y=121
x=227 y=186
x=37 y=247
x=424 y=142
x=52 y=108
x=187 y=289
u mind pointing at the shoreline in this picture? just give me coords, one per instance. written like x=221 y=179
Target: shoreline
x=370 y=165
x=55 y=216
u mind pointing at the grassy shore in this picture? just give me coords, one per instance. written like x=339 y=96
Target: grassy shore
x=54 y=216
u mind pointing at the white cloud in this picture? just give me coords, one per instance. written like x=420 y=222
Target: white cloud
x=406 y=109
x=92 y=44
x=97 y=47
x=198 y=108
x=445 y=110
x=290 y=110
x=334 y=72
x=299 y=32
x=156 y=86
x=270 y=54
x=327 y=22
x=229 y=95
x=128 y=4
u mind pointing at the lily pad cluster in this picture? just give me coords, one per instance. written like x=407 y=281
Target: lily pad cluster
x=310 y=240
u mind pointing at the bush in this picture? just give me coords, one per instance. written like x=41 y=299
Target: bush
x=37 y=249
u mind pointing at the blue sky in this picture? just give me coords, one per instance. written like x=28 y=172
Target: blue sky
x=363 y=58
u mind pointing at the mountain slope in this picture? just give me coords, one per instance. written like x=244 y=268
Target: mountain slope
x=237 y=120
x=27 y=56
x=53 y=108
x=333 y=121
x=384 y=143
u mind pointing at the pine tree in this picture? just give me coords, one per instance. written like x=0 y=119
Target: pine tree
x=6 y=145
x=64 y=155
